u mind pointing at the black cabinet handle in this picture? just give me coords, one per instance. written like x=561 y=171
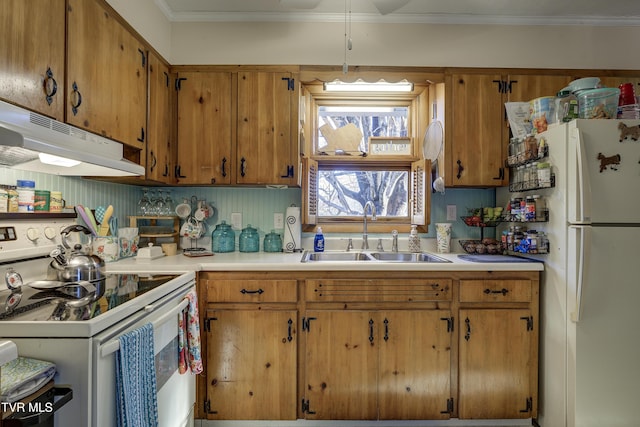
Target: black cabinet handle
x=290 y=327
x=178 y=172
x=76 y=98
x=371 y=331
x=224 y=164
x=386 y=329
x=166 y=170
x=500 y=85
x=243 y=166
x=467 y=334
x=460 y=169
x=50 y=86
x=501 y=291
x=289 y=172
x=141 y=137
x=257 y=291
x=154 y=161
x=179 y=82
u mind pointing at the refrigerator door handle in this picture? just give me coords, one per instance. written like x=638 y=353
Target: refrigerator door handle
x=583 y=242
x=583 y=214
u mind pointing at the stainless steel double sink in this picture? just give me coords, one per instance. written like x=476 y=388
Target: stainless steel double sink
x=359 y=256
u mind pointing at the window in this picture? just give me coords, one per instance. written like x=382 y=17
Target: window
x=362 y=150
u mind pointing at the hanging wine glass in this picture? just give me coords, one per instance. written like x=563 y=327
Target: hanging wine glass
x=144 y=203
x=159 y=204
x=169 y=205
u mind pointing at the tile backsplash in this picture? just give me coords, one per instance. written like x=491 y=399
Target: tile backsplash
x=257 y=205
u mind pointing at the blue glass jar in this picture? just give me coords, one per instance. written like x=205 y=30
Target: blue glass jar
x=249 y=240
x=272 y=242
x=223 y=238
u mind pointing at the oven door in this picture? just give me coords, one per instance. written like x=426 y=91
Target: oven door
x=176 y=392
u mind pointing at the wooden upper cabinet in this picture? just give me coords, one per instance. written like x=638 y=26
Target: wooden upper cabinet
x=106 y=74
x=205 y=117
x=160 y=163
x=522 y=88
x=32 y=55
x=266 y=128
x=474 y=155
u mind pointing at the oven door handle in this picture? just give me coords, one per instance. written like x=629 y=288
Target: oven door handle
x=114 y=345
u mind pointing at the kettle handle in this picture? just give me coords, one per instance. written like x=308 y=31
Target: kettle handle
x=78 y=229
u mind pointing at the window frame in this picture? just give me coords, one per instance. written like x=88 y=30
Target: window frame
x=312 y=96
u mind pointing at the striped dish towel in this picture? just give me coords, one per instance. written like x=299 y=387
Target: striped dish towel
x=189 y=353
x=136 y=379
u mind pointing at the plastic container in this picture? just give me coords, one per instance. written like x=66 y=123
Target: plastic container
x=249 y=240
x=318 y=241
x=598 y=103
x=26 y=196
x=585 y=83
x=414 y=240
x=566 y=106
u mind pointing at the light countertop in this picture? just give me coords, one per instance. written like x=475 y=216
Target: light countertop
x=263 y=261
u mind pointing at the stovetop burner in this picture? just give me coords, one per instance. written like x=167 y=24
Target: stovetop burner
x=30 y=304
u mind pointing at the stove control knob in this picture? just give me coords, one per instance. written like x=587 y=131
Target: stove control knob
x=33 y=234
x=50 y=233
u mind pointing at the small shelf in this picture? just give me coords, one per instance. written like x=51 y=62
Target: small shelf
x=172 y=233
x=38 y=216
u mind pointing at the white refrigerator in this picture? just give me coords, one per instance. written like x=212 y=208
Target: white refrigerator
x=590 y=291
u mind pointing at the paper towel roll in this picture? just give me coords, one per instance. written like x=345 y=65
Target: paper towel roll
x=292 y=230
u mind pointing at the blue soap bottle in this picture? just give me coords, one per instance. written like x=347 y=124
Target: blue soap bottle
x=318 y=241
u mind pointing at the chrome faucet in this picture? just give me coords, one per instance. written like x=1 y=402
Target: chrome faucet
x=394 y=241
x=365 y=236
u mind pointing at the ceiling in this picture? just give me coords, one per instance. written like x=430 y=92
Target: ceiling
x=525 y=12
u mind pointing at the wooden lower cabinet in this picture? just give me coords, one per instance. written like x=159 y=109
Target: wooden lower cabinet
x=374 y=346
x=251 y=364
x=369 y=365
x=496 y=360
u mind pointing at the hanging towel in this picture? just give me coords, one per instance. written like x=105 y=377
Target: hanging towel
x=23 y=376
x=136 y=379
x=189 y=337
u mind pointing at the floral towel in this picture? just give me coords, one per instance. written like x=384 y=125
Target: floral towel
x=189 y=337
x=136 y=379
x=24 y=376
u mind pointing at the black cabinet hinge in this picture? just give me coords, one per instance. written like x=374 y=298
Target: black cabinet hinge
x=305 y=323
x=207 y=323
x=305 y=407
x=529 y=321
x=179 y=82
x=207 y=407
x=144 y=57
x=528 y=405
x=449 y=321
x=290 y=83
x=449 y=409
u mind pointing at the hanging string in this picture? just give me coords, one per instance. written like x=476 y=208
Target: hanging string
x=345 y=67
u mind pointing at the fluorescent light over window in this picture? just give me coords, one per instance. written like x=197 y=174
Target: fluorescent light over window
x=362 y=86
x=50 y=159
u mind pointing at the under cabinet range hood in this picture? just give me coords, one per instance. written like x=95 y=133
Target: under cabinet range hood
x=30 y=141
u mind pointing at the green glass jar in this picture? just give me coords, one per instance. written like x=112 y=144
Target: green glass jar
x=249 y=240
x=272 y=242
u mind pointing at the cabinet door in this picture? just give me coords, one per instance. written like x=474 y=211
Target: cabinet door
x=204 y=128
x=474 y=150
x=497 y=364
x=415 y=364
x=251 y=364
x=617 y=81
x=107 y=75
x=341 y=365
x=32 y=55
x=523 y=88
x=160 y=161
x=266 y=150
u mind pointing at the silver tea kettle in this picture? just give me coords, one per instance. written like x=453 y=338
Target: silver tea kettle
x=77 y=264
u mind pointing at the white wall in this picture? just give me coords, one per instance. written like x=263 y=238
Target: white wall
x=383 y=44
